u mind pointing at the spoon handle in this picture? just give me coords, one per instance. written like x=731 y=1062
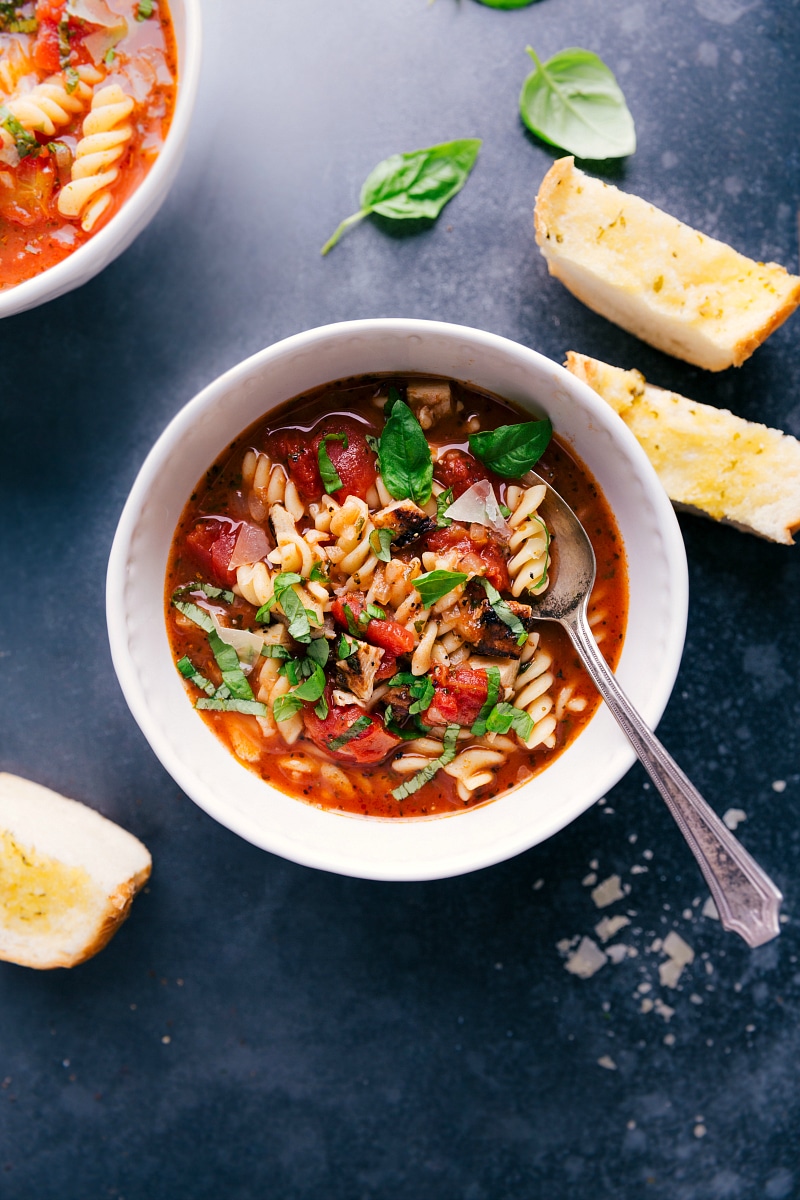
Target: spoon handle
x=746 y=898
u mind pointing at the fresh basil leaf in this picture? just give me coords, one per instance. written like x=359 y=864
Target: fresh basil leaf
x=505 y=717
x=275 y=652
x=358 y=727
x=372 y=442
x=318 y=573
x=196 y=614
x=189 y=671
x=505 y=511
x=420 y=687
x=512 y=450
x=407 y=732
x=493 y=682
x=574 y=102
x=404 y=458
x=435 y=584
x=285 y=707
x=291 y=669
x=427 y=773
x=296 y=613
x=504 y=613
x=230 y=667
x=25 y=141
x=319 y=650
x=345 y=648
x=443 y=502
x=144 y=10
x=391 y=399
x=352 y=626
x=313 y=687
x=330 y=478
x=375 y=613
x=208 y=589
x=253 y=708
x=413 y=185
x=321 y=709
x=380 y=541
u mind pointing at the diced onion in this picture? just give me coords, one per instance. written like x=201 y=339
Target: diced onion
x=248 y=645
x=478 y=505
x=96 y=12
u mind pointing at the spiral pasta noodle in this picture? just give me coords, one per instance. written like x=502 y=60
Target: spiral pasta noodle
x=267 y=483
x=529 y=540
x=94 y=171
x=532 y=693
x=473 y=769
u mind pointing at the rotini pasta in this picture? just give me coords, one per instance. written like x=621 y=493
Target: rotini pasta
x=72 y=150
x=402 y=672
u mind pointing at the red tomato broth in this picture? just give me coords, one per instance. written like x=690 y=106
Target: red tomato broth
x=219 y=495
x=34 y=235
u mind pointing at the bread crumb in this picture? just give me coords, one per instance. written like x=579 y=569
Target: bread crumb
x=700 y=1130
x=710 y=909
x=586 y=960
x=779 y=785
x=607 y=1061
x=608 y=891
x=609 y=926
x=734 y=817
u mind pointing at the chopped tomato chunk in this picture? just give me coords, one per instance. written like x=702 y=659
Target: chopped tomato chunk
x=388 y=667
x=459 y=470
x=46 y=49
x=459 y=696
x=27 y=200
x=390 y=635
x=370 y=745
x=211 y=543
x=354 y=463
x=486 y=553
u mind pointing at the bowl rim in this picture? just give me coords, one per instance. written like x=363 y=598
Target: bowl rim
x=94 y=255
x=281 y=841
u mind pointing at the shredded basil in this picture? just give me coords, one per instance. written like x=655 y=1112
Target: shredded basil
x=512 y=450
x=404 y=457
x=196 y=614
x=346 y=649
x=493 y=682
x=504 y=613
x=285 y=707
x=413 y=185
x=321 y=709
x=356 y=729
x=253 y=708
x=319 y=651
x=318 y=573
x=275 y=652
x=420 y=687
x=189 y=671
x=435 y=584
x=312 y=688
x=574 y=102
x=352 y=626
x=504 y=717
x=330 y=478
x=209 y=590
x=144 y=10
x=230 y=667
x=443 y=502
x=380 y=541
x=26 y=144
x=427 y=773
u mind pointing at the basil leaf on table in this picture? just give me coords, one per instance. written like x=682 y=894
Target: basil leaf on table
x=413 y=185
x=404 y=457
x=512 y=450
x=574 y=102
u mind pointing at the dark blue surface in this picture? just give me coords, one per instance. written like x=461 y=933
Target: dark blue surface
x=260 y=1029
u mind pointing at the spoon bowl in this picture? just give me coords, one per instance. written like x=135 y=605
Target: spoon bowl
x=746 y=898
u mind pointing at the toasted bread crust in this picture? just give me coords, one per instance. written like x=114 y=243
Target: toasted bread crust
x=668 y=284
x=68 y=876
x=710 y=462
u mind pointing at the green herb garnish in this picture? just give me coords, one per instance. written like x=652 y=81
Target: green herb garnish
x=427 y=773
x=345 y=648
x=25 y=141
x=512 y=450
x=420 y=687
x=443 y=502
x=504 y=717
x=209 y=590
x=275 y=652
x=413 y=185
x=285 y=707
x=144 y=10
x=574 y=102
x=493 y=682
x=404 y=457
x=435 y=584
x=253 y=708
x=189 y=671
x=380 y=541
x=504 y=613
x=318 y=573
x=330 y=478
x=356 y=729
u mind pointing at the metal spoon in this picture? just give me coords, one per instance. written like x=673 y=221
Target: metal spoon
x=746 y=898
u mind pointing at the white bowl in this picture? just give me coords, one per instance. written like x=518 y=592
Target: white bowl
x=90 y=258
x=371 y=848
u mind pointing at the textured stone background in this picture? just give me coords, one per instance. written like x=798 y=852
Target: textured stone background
x=261 y=1029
